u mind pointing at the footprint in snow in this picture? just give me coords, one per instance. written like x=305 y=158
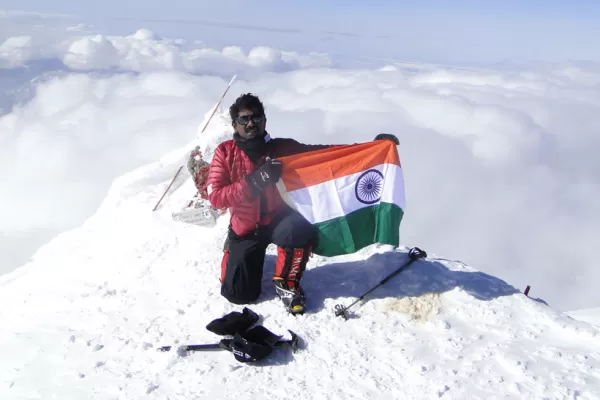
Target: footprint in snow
x=98 y=347
x=152 y=388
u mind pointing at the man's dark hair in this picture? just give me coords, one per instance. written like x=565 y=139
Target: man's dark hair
x=246 y=101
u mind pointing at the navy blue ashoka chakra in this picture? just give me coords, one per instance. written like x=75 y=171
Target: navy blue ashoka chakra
x=369 y=187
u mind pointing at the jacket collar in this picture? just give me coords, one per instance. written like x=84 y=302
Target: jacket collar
x=255 y=148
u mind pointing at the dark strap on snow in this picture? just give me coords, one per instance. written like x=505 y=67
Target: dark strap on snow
x=246 y=351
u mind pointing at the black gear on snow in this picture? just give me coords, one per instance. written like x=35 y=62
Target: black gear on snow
x=233 y=322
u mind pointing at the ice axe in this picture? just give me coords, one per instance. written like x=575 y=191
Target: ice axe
x=414 y=254
x=252 y=345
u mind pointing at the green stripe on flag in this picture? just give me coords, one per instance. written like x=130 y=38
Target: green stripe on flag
x=361 y=228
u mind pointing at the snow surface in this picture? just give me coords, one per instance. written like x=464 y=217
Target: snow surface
x=85 y=317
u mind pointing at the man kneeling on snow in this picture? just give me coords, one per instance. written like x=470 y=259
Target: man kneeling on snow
x=242 y=178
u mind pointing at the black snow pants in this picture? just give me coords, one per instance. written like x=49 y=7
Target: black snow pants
x=242 y=265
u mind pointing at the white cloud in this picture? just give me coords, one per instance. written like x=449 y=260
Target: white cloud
x=92 y=52
x=81 y=48
x=16 y=50
x=79 y=132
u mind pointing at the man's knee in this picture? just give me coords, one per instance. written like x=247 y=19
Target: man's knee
x=295 y=231
x=304 y=234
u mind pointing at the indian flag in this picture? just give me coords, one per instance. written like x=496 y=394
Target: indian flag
x=352 y=194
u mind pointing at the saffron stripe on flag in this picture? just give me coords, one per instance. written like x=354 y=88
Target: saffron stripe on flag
x=311 y=168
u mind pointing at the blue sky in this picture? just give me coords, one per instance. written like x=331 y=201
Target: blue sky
x=462 y=31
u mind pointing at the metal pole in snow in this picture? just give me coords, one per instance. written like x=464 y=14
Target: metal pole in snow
x=202 y=131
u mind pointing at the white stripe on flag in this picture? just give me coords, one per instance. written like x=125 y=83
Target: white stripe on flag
x=337 y=197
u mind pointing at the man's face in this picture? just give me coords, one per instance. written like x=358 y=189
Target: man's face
x=250 y=124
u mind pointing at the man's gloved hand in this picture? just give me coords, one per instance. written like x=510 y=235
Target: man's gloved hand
x=388 y=136
x=268 y=173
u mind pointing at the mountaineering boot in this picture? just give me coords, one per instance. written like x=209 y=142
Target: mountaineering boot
x=289 y=268
x=293 y=297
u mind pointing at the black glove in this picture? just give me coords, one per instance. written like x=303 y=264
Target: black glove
x=388 y=136
x=268 y=173
x=233 y=322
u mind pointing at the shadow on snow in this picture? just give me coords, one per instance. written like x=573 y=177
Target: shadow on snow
x=353 y=279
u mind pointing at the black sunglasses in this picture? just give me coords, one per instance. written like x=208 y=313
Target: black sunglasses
x=245 y=119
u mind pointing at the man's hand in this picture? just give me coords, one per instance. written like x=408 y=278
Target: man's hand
x=388 y=136
x=268 y=173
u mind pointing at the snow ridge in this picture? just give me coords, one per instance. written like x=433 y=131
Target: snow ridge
x=84 y=318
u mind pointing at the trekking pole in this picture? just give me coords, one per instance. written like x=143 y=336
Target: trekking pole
x=202 y=131
x=414 y=254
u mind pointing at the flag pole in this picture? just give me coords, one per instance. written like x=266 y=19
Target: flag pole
x=202 y=131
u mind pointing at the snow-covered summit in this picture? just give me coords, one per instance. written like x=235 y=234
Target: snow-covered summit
x=84 y=318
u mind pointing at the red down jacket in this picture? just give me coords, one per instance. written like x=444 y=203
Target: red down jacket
x=227 y=187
